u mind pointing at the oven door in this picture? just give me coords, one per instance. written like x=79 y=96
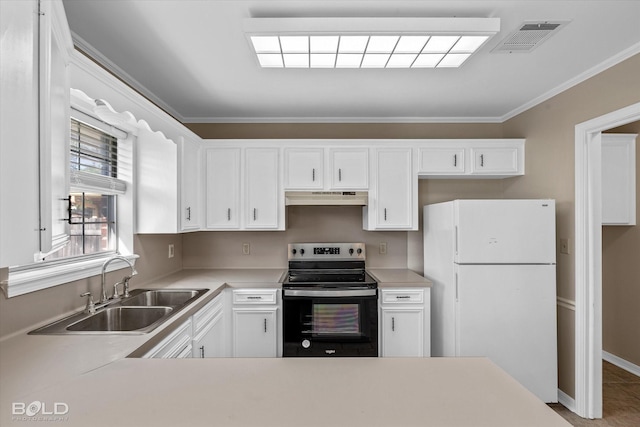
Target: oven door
x=328 y=322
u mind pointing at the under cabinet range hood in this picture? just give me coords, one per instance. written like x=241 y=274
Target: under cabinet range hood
x=326 y=198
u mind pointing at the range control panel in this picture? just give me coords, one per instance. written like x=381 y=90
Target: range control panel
x=326 y=251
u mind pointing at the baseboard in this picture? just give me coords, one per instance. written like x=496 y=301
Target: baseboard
x=566 y=401
x=621 y=363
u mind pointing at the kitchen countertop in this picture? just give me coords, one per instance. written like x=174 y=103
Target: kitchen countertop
x=398 y=277
x=101 y=386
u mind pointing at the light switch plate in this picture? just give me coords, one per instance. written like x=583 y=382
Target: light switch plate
x=383 y=248
x=246 y=249
x=172 y=251
x=564 y=246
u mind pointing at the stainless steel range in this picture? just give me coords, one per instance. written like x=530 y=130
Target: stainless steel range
x=330 y=303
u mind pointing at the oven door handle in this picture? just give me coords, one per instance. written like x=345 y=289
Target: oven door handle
x=330 y=293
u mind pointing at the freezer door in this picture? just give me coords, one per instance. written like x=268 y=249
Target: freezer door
x=505 y=231
x=508 y=314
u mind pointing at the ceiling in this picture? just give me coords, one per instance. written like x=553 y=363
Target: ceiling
x=192 y=58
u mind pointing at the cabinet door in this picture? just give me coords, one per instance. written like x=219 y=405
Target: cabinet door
x=402 y=332
x=441 y=161
x=223 y=188
x=189 y=185
x=349 y=168
x=394 y=189
x=495 y=161
x=254 y=332
x=262 y=195
x=303 y=168
x=210 y=342
x=618 y=179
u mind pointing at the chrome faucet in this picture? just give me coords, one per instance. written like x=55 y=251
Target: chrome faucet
x=103 y=296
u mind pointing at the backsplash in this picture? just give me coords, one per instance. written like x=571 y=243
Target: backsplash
x=268 y=249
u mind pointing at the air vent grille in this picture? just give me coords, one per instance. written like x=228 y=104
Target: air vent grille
x=528 y=36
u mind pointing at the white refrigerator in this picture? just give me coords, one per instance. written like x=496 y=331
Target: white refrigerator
x=493 y=268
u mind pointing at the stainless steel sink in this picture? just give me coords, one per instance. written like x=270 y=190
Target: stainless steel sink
x=161 y=297
x=142 y=312
x=113 y=319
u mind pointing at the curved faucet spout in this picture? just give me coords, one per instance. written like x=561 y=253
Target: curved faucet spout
x=103 y=296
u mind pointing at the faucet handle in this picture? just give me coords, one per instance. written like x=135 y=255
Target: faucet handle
x=90 y=308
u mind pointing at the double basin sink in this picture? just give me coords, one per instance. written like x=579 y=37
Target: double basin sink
x=140 y=313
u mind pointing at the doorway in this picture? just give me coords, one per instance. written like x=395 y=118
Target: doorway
x=588 y=257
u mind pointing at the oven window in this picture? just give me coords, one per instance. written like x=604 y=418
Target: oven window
x=336 y=319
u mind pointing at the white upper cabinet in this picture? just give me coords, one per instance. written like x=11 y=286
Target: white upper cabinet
x=262 y=188
x=393 y=198
x=190 y=184
x=34 y=108
x=223 y=188
x=480 y=158
x=303 y=168
x=243 y=188
x=349 y=168
x=619 y=179
x=442 y=160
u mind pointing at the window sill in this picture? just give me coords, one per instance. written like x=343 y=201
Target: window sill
x=23 y=280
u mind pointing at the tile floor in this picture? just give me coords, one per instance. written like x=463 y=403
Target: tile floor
x=621 y=401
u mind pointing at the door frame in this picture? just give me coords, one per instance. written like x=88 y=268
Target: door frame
x=588 y=258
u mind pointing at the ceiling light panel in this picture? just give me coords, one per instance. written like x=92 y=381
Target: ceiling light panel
x=368 y=42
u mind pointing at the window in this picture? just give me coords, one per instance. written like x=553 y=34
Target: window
x=94 y=184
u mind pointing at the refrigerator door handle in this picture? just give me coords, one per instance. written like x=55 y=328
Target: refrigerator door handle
x=456 y=238
x=456 y=287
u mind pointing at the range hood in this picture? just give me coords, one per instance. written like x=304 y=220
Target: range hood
x=326 y=198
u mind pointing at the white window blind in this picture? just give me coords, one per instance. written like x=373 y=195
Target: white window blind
x=94 y=160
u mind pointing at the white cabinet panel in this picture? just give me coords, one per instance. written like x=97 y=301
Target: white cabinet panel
x=190 y=185
x=619 y=179
x=303 y=168
x=262 y=191
x=349 y=168
x=176 y=345
x=494 y=160
x=441 y=160
x=395 y=196
x=405 y=322
x=223 y=188
x=255 y=332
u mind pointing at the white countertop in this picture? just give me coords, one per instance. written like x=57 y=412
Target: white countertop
x=91 y=374
x=398 y=277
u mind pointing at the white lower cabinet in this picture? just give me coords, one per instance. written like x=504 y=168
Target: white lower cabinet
x=255 y=323
x=405 y=322
x=209 y=330
x=176 y=345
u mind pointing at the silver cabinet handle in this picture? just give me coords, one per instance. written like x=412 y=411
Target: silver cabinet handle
x=228 y=214
x=265 y=325
x=189 y=213
x=202 y=352
x=403 y=296
x=385 y=214
x=254 y=297
x=455 y=160
x=313 y=174
x=254 y=213
x=481 y=160
x=339 y=174
x=393 y=324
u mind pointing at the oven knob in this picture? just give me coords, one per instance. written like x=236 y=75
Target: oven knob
x=351 y=251
x=359 y=251
x=306 y=343
x=301 y=251
x=293 y=251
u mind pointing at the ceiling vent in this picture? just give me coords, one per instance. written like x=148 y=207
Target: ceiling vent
x=529 y=36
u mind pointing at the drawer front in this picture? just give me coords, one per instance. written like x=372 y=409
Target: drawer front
x=255 y=296
x=202 y=318
x=402 y=296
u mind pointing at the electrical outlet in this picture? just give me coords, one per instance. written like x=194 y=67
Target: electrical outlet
x=171 y=250
x=383 y=248
x=246 y=248
x=564 y=246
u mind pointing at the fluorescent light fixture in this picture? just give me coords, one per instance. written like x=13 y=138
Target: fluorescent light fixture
x=367 y=42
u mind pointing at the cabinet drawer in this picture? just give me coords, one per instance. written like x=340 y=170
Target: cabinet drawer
x=255 y=296
x=202 y=318
x=402 y=296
